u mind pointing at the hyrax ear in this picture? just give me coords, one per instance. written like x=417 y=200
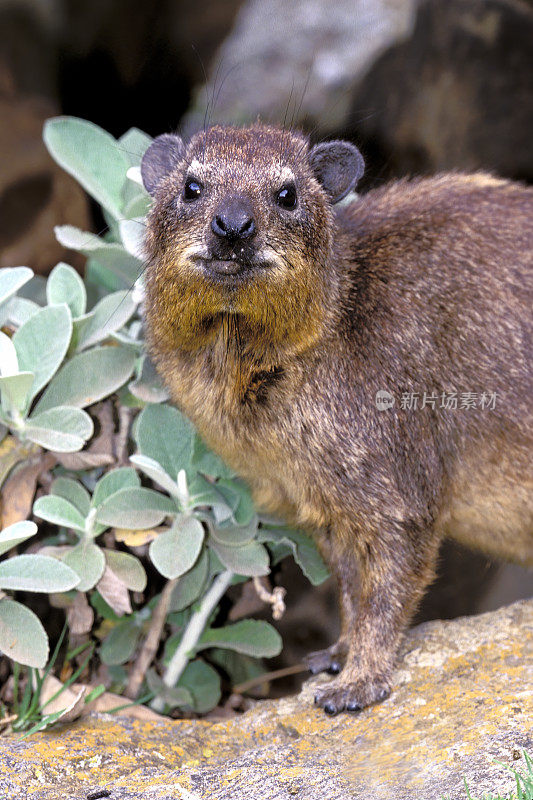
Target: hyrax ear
x=337 y=166
x=163 y=155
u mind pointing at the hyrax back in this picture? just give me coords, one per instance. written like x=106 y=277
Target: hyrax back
x=275 y=319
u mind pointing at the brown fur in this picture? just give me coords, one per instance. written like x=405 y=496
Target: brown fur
x=420 y=286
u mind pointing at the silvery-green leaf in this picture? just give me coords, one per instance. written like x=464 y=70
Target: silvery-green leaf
x=173 y=553
x=148 y=387
x=156 y=473
x=127 y=568
x=111 y=255
x=135 y=508
x=15 y=534
x=164 y=434
x=88 y=562
x=119 y=646
x=59 y=511
x=234 y=535
x=74 y=492
x=64 y=285
x=63 y=429
x=303 y=548
x=22 y=636
x=134 y=144
x=11 y=280
x=42 y=343
x=250 y=637
x=89 y=377
x=17 y=311
x=190 y=585
x=9 y=364
x=112 y=482
x=203 y=682
x=137 y=206
x=92 y=156
x=132 y=233
x=237 y=495
x=109 y=315
x=204 y=460
x=15 y=390
x=36 y=573
x=249 y=559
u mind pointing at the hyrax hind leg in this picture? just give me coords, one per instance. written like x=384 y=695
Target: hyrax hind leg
x=394 y=570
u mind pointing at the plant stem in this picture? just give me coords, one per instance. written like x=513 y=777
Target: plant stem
x=192 y=633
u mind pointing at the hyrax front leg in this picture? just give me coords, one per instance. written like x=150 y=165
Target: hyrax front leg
x=394 y=571
x=333 y=658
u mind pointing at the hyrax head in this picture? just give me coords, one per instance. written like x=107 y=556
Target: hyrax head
x=241 y=224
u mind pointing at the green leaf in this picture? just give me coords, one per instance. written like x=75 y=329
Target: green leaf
x=135 y=508
x=11 y=280
x=205 y=461
x=15 y=534
x=108 y=316
x=15 y=390
x=171 y=695
x=89 y=377
x=132 y=233
x=127 y=568
x=18 y=310
x=250 y=559
x=64 y=285
x=134 y=144
x=303 y=548
x=22 y=636
x=203 y=682
x=119 y=646
x=164 y=434
x=239 y=668
x=110 y=255
x=74 y=492
x=112 y=482
x=42 y=343
x=148 y=387
x=88 y=562
x=234 y=535
x=59 y=511
x=237 y=495
x=35 y=573
x=156 y=473
x=63 y=429
x=191 y=585
x=173 y=553
x=92 y=156
x=251 y=637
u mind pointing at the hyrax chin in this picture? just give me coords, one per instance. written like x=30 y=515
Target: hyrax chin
x=285 y=327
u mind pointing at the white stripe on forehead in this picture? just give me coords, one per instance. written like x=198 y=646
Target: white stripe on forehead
x=281 y=174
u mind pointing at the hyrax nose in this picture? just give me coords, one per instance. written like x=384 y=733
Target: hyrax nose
x=233 y=220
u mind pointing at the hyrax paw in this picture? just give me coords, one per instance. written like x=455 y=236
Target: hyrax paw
x=339 y=696
x=330 y=660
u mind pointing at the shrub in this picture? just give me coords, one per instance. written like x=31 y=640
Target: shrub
x=78 y=396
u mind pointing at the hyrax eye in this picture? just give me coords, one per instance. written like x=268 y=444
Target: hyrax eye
x=192 y=190
x=287 y=197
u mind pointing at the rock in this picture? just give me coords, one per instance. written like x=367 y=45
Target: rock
x=300 y=60
x=464 y=697
x=420 y=85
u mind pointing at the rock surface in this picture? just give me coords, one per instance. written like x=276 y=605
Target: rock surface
x=464 y=697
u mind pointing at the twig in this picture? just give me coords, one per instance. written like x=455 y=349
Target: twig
x=241 y=688
x=121 y=439
x=275 y=598
x=192 y=634
x=151 y=642
x=8 y=720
